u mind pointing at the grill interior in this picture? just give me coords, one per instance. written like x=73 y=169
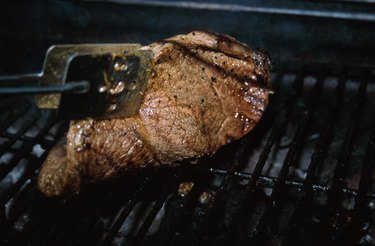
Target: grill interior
x=303 y=176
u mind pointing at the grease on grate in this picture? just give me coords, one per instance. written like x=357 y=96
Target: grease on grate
x=185 y=188
x=206 y=196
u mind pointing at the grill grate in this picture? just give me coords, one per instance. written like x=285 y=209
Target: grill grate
x=304 y=175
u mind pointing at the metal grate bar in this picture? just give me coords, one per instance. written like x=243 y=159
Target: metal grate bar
x=70 y=214
x=213 y=207
x=35 y=163
x=185 y=211
x=30 y=229
x=307 y=189
x=8 y=194
x=333 y=202
x=57 y=232
x=148 y=221
x=24 y=150
x=123 y=214
x=236 y=224
x=47 y=233
x=40 y=210
x=26 y=125
x=25 y=138
x=87 y=228
x=21 y=202
x=187 y=207
x=95 y=233
x=269 y=182
x=346 y=148
x=11 y=118
x=47 y=220
x=218 y=199
x=30 y=205
x=360 y=208
x=296 y=146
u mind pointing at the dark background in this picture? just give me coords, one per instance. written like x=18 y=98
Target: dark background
x=28 y=29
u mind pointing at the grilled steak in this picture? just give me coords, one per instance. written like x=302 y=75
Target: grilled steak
x=206 y=89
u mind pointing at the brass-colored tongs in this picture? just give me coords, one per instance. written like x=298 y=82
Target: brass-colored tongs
x=88 y=80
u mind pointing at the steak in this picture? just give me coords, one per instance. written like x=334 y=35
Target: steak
x=205 y=90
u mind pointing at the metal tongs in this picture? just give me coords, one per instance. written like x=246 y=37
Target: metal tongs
x=88 y=80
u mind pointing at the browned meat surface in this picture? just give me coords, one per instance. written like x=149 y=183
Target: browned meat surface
x=205 y=90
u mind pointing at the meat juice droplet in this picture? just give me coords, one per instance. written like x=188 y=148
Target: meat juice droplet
x=119 y=87
x=120 y=66
x=185 y=188
x=102 y=89
x=132 y=85
x=112 y=107
x=79 y=139
x=206 y=196
x=79 y=148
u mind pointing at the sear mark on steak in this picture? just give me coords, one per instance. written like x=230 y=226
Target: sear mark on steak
x=205 y=90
